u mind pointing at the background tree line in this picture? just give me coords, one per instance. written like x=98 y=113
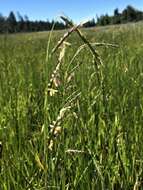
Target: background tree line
x=18 y=23
x=129 y=14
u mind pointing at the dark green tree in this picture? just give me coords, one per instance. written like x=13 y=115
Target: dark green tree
x=2 y=24
x=131 y=13
x=116 y=12
x=124 y=16
x=20 y=23
x=116 y=19
x=104 y=20
x=11 y=23
x=107 y=19
x=90 y=23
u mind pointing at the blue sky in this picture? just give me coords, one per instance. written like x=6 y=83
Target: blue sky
x=78 y=10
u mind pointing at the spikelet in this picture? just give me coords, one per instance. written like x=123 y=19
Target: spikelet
x=55 y=81
x=39 y=163
x=1 y=148
x=73 y=151
x=137 y=185
x=51 y=144
x=63 y=48
x=52 y=91
x=55 y=127
x=63 y=111
x=70 y=77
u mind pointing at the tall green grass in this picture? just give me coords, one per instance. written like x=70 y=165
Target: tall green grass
x=66 y=124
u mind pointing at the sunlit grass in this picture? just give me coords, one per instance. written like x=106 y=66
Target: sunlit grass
x=61 y=128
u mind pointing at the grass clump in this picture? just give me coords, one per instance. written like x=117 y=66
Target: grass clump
x=69 y=119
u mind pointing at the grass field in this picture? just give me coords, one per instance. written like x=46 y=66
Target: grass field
x=68 y=121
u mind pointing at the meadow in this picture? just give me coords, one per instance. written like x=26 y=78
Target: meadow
x=71 y=117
